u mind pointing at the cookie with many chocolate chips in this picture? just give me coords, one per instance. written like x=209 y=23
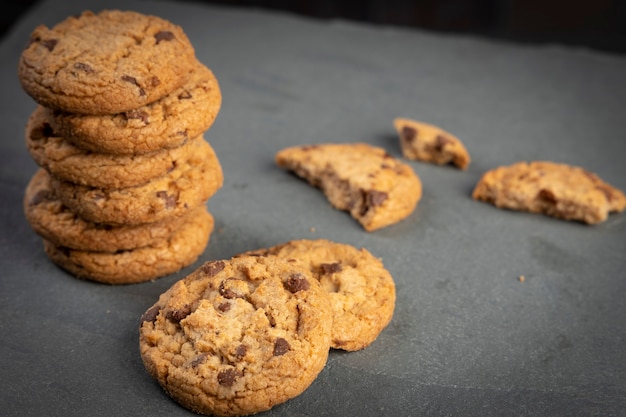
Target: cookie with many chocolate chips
x=105 y=63
x=425 y=142
x=183 y=114
x=557 y=190
x=68 y=162
x=374 y=187
x=160 y=258
x=237 y=336
x=191 y=183
x=362 y=292
x=49 y=218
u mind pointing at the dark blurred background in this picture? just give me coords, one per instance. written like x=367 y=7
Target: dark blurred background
x=597 y=24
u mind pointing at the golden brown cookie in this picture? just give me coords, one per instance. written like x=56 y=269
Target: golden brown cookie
x=362 y=292
x=105 y=63
x=425 y=142
x=160 y=258
x=374 y=187
x=558 y=190
x=190 y=184
x=49 y=218
x=185 y=113
x=237 y=336
x=69 y=163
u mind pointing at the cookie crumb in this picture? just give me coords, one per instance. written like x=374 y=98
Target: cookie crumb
x=312 y=230
x=521 y=278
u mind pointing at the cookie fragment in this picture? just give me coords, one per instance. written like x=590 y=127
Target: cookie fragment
x=557 y=190
x=362 y=292
x=226 y=355
x=374 y=187
x=425 y=142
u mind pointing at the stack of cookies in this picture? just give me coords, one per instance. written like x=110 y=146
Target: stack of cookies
x=123 y=106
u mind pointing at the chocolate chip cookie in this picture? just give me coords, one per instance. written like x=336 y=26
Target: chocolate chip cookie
x=374 y=187
x=68 y=162
x=237 y=336
x=425 y=142
x=191 y=183
x=362 y=292
x=159 y=258
x=105 y=63
x=183 y=114
x=558 y=190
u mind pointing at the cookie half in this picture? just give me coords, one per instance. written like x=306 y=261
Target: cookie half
x=68 y=162
x=362 y=292
x=238 y=336
x=105 y=63
x=374 y=187
x=185 y=113
x=557 y=190
x=190 y=184
x=160 y=258
x=425 y=142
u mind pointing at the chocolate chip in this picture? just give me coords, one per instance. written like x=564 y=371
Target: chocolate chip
x=49 y=44
x=40 y=197
x=223 y=307
x=134 y=81
x=441 y=141
x=176 y=316
x=409 y=133
x=547 y=196
x=228 y=377
x=297 y=282
x=241 y=351
x=213 y=268
x=198 y=360
x=138 y=114
x=151 y=314
x=84 y=67
x=164 y=35
x=185 y=95
x=375 y=198
x=281 y=346
x=227 y=292
x=170 y=200
x=331 y=268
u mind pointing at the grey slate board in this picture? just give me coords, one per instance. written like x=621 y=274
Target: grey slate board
x=467 y=338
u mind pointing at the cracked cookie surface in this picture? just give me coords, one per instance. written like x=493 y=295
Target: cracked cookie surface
x=68 y=162
x=158 y=259
x=374 y=187
x=237 y=336
x=181 y=115
x=361 y=291
x=557 y=190
x=105 y=63
x=191 y=183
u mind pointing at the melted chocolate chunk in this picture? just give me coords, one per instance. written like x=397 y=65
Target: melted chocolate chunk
x=138 y=114
x=547 y=196
x=176 y=316
x=227 y=292
x=331 y=268
x=241 y=351
x=151 y=314
x=409 y=133
x=297 y=282
x=84 y=67
x=281 y=346
x=40 y=197
x=170 y=200
x=185 y=95
x=223 y=307
x=134 y=81
x=228 y=377
x=213 y=268
x=441 y=141
x=164 y=35
x=49 y=44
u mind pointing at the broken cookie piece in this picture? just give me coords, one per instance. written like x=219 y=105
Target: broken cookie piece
x=374 y=187
x=557 y=190
x=424 y=142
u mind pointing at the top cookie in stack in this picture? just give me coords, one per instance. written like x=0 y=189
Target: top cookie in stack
x=119 y=135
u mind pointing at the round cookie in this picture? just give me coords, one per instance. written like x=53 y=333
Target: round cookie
x=185 y=113
x=50 y=219
x=105 y=63
x=187 y=186
x=362 y=292
x=377 y=189
x=237 y=336
x=67 y=162
x=147 y=263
